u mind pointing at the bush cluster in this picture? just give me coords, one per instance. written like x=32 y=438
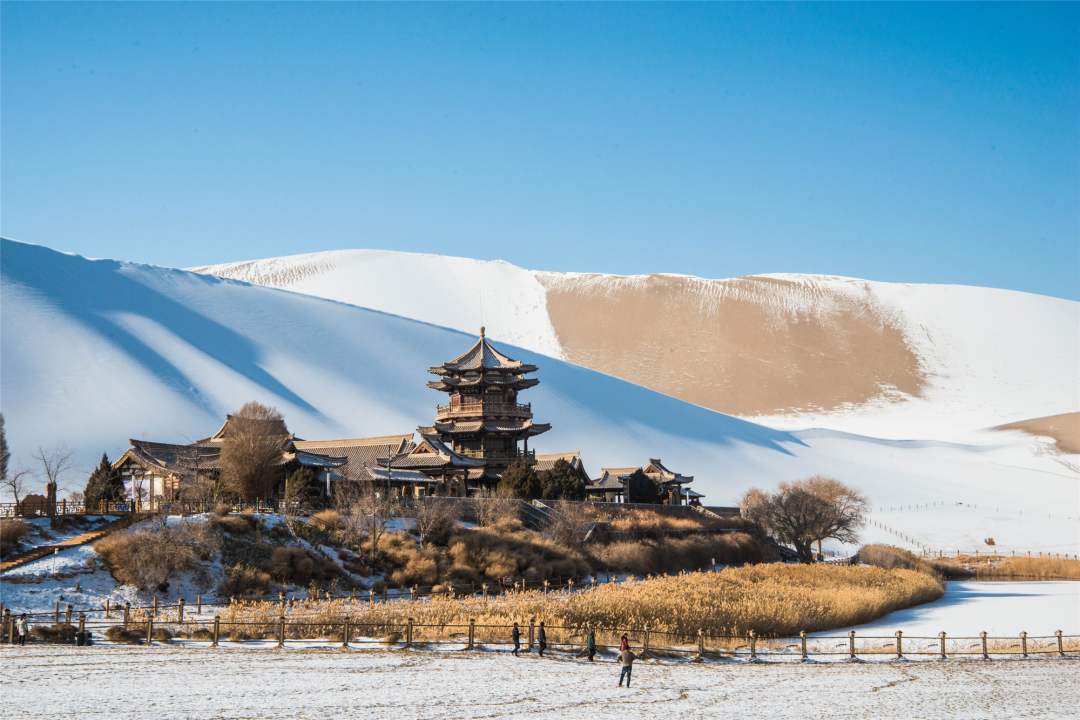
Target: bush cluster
x=12 y=533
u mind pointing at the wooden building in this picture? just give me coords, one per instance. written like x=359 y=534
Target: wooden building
x=484 y=418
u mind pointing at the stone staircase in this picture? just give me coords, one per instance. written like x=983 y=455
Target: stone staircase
x=88 y=537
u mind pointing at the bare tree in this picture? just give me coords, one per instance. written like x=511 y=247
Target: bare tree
x=15 y=483
x=55 y=461
x=365 y=510
x=251 y=451
x=435 y=519
x=807 y=511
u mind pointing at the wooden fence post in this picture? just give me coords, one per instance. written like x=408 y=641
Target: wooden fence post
x=281 y=632
x=371 y=596
x=198 y=604
x=108 y=608
x=408 y=634
x=484 y=588
x=983 y=636
x=82 y=622
x=753 y=646
x=942 y=636
x=412 y=594
x=472 y=634
x=802 y=637
x=700 y=646
x=11 y=631
x=180 y=610
x=532 y=628
x=1023 y=643
x=345 y=634
x=155 y=607
x=150 y=632
x=1061 y=648
x=56 y=613
x=645 y=643
x=899 y=640
x=67 y=614
x=127 y=613
x=217 y=630
x=851 y=641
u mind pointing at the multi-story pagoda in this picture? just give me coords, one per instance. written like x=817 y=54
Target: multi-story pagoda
x=484 y=419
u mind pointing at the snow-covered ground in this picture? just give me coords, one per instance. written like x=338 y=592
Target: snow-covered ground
x=180 y=683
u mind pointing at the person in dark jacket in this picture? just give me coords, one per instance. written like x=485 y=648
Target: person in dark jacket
x=627 y=658
x=515 y=635
x=590 y=645
x=541 y=638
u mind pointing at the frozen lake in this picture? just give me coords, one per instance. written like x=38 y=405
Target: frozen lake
x=999 y=608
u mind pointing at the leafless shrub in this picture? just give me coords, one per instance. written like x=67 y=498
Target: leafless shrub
x=11 y=534
x=644 y=557
x=436 y=519
x=493 y=507
x=572 y=519
x=148 y=557
x=222 y=510
x=295 y=566
x=244 y=582
x=236 y=523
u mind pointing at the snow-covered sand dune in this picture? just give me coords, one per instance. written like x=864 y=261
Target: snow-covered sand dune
x=793 y=351
x=97 y=351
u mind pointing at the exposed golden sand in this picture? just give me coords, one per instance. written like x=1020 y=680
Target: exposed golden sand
x=1065 y=429
x=744 y=346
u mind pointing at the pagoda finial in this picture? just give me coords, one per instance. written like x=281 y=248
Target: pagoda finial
x=481 y=332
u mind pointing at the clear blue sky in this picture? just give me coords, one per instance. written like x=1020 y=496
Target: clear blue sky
x=901 y=142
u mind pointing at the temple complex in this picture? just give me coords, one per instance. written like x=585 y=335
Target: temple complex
x=476 y=435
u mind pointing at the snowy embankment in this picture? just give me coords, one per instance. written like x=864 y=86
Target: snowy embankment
x=182 y=683
x=89 y=345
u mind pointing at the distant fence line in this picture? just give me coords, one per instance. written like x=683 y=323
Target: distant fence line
x=653 y=644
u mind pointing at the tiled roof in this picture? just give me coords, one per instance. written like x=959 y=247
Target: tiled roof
x=607 y=481
x=395 y=476
x=359 y=451
x=494 y=426
x=457 y=383
x=482 y=356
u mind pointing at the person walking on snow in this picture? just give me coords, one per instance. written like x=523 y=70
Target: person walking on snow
x=22 y=627
x=541 y=638
x=590 y=645
x=626 y=657
x=515 y=635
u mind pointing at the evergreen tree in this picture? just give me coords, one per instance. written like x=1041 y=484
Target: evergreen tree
x=520 y=481
x=104 y=484
x=644 y=489
x=4 y=454
x=562 y=483
x=302 y=485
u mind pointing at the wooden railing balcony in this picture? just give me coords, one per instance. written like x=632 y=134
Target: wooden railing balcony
x=527 y=455
x=482 y=409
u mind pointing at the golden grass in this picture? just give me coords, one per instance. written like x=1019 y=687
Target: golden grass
x=641 y=520
x=989 y=568
x=772 y=600
x=695 y=552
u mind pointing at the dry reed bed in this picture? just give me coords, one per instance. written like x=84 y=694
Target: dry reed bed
x=1009 y=567
x=772 y=600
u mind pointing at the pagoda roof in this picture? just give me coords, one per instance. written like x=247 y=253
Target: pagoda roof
x=527 y=427
x=449 y=383
x=359 y=451
x=480 y=357
x=397 y=476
